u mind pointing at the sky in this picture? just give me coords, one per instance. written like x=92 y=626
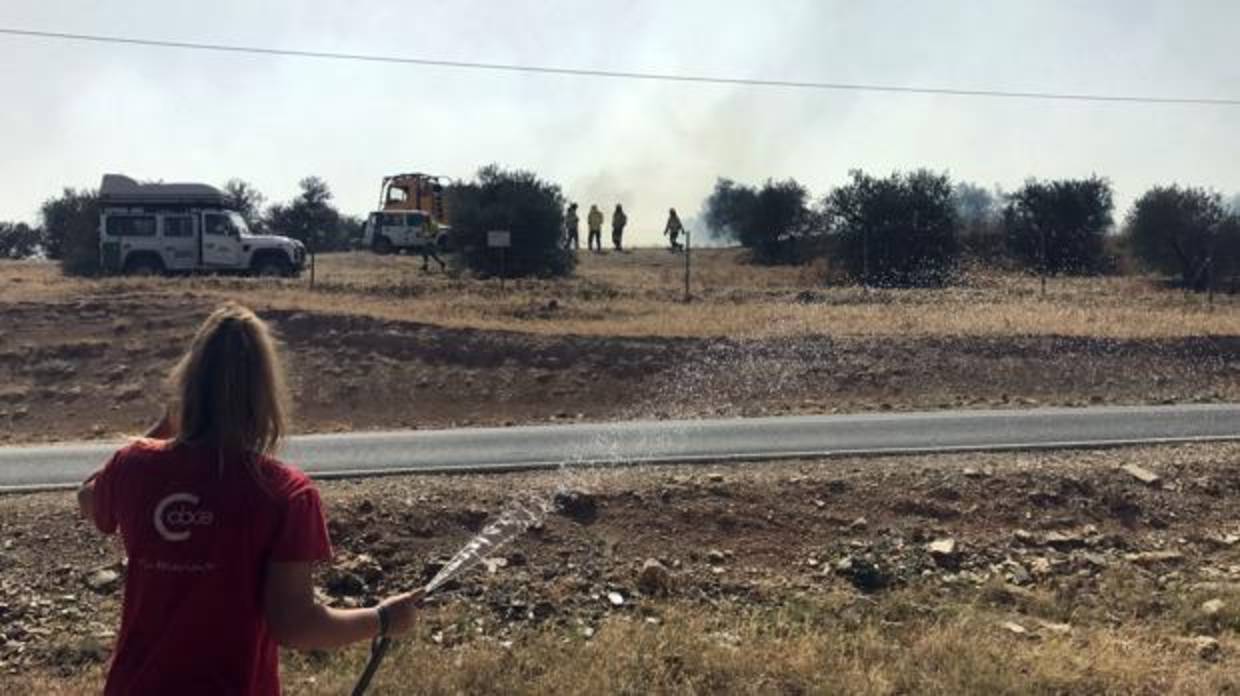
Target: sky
x=72 y=111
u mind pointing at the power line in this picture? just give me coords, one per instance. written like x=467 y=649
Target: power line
x=618 y=74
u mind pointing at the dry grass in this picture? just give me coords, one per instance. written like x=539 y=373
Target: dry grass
x=639 y=294
x=906 y=642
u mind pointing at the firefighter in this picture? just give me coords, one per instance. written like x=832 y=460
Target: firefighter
x=618 y=221
x=594 y=221
x=572 y=236
x=673 y=229
x=429 y=240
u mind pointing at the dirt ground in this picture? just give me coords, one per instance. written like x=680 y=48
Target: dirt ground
x=1037 y=552
x=85 y=359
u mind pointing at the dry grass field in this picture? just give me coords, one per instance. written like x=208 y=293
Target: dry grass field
x=639 y=294
x=1068 y=577
x=379 y=344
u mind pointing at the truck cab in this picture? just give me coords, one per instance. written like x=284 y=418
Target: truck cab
x=168 y=228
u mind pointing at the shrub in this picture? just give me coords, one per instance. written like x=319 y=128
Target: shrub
x=71 y=226
x=1059 y=226
x=523 y=204
x=897 y=231
x=769 y=221
x=1185 y=231
x=19 y=240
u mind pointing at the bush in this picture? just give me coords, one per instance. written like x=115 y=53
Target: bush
x=20 y=241
x=71 y=228
x=769 y=221
x=311 y=219
x=1187 y=232
x=517 y=201
x=1059 y=226
x=899 y=231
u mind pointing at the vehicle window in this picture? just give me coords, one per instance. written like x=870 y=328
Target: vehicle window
x=416 y=220
x=131 y=225
x=396 y=195
x=179 y=226
x=217 y=225
x=393 y=221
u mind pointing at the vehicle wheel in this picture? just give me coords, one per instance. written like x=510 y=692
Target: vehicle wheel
x=271 y=267
x=383 y=245
x=143 y=266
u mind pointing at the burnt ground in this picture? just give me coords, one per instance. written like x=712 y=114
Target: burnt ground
x=1065 y=539
x=94 y=367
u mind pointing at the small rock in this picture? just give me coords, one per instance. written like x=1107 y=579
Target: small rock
x=1143 y=475
x=715 y=478
x=654 y=578
x=864 y=574
x=858 y=524
x=944 y=552
x=1212 y=607
x=1063 y=541
x=715 y=556
x=578 y=506
x=1207 y=648
x=616 y=599
x=103 y=580
x=1016 y=629
x=1148 y=558
x=1025 y=537
x=1018 y=574
x=1060 y=628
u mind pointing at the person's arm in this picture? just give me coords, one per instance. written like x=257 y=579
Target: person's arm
x=86 y=497
x=298 y=621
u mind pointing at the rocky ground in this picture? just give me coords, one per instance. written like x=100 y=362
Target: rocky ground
x=93 y=367
x=1053 y=546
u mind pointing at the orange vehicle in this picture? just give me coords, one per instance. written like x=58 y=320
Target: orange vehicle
x=417 y=192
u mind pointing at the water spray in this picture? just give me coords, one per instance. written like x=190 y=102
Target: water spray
x=514 y=522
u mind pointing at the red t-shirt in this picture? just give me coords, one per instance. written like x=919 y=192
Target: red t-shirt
x=199 y=531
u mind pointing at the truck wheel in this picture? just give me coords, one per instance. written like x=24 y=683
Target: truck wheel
x=272 y=267
x=144 y=266
x=382 y=245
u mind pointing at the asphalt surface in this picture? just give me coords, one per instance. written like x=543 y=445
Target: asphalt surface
x=637 y=442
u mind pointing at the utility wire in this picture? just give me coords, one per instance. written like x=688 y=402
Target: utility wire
x=618 y=74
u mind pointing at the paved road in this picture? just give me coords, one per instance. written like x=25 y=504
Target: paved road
x=531 y=447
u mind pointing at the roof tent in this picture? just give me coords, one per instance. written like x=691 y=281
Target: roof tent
x=117 y=189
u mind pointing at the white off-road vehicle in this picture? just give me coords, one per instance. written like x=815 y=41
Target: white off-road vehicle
x=168 y=228
x=390 y=232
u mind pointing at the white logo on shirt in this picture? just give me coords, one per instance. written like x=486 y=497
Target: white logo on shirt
x=183 y=516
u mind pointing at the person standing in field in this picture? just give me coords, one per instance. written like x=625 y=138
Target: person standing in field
x=428 y=241
x=221 y=537
x=618 y=221
x=572 y=236
x=673 y=229
x=594 y=223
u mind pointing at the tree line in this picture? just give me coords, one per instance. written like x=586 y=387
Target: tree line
x=906 y=229
x=917 y=228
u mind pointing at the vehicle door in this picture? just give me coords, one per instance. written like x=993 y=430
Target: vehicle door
x=393 y=227
x=179 y=241
x=221 y=241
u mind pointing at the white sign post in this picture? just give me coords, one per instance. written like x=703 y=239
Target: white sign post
x=499 y=239
x=502 y=240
